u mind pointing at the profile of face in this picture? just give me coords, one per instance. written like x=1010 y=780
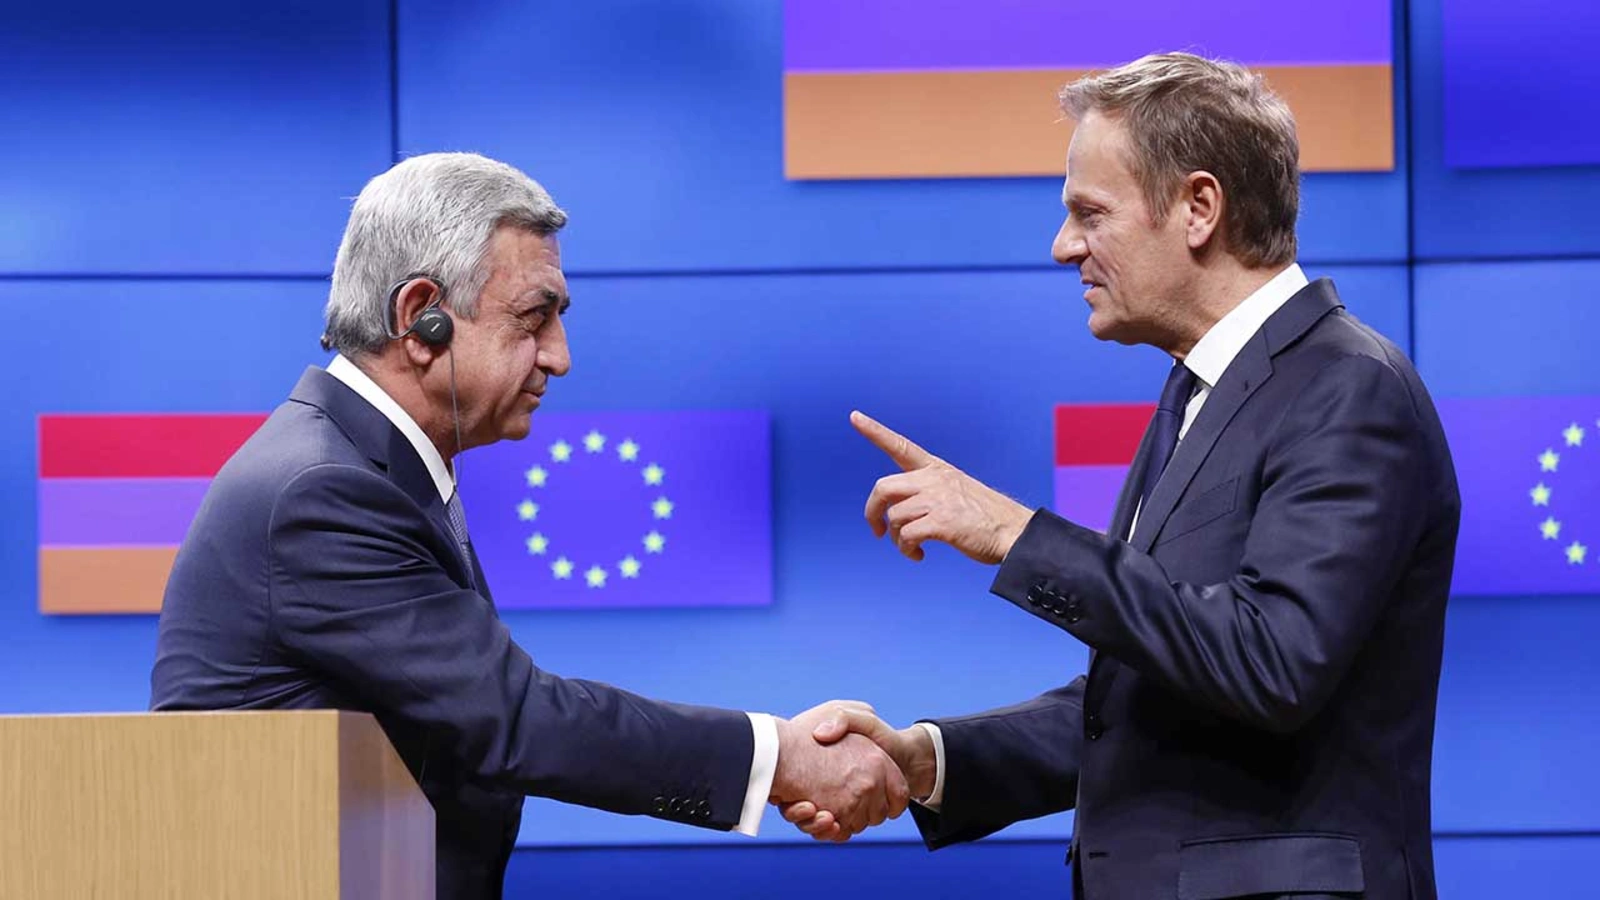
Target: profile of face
x=1135 y=271
x=507 y=353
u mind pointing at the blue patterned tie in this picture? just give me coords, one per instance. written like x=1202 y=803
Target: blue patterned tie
x=458 y=525
x=1167 y=422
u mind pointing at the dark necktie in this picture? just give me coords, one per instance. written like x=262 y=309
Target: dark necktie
x=458 y=525
x=1166 y=424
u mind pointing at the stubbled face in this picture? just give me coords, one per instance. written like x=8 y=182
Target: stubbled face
x=1136 y=272
x=506 y=355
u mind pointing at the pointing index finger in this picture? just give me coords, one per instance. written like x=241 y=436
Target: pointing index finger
x=904 y=451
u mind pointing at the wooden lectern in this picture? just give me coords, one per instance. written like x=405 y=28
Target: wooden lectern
x=310 y=805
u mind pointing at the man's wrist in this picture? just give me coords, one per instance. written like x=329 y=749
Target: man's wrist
x=920 y=766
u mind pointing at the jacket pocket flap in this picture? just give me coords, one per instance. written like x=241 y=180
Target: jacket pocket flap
x=1203 y=509
x=1269 y=864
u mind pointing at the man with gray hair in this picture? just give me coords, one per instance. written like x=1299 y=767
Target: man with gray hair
x=330 y=566
x=1266 y=611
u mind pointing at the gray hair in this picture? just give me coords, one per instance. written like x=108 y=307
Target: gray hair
x=1183 y=114
x=432 y=214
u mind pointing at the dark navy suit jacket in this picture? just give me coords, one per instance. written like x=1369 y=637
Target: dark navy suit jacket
x=1258 y=714
x=321 y=572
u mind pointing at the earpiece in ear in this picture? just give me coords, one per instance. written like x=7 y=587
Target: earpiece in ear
x=434 y=327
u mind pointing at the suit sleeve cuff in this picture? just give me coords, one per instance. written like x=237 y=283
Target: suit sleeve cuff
x=763 y=767
x=936 y=799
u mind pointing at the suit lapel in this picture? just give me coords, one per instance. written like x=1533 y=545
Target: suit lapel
x=1243 y=377
x=372 y=432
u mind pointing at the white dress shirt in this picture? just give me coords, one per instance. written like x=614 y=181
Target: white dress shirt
x=1210 y=357
x=763 y=762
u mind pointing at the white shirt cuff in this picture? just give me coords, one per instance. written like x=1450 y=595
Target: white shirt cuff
x=935 y=799
x=763 y=767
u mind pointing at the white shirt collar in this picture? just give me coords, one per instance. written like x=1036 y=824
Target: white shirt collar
x=358 y=381
x=1217 y=348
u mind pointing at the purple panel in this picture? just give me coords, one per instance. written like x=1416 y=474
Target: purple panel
x=1088 y=494
x=858 y=35
x=124 y=512
x=1499 y=446
x=1520 y=83
x=597 y=510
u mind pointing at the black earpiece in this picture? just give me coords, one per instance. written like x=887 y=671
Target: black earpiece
x=433 y=326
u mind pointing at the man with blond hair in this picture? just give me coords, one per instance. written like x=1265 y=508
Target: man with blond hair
x=1266 y=611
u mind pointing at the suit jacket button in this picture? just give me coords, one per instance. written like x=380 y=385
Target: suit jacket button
x=676 y=806
x=660 y=806
x=1033 y=595
x=704 y=809
x=1093 y=728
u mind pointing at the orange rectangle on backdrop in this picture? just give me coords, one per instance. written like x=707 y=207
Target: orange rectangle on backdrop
x=1002 y=123
x=78 y=580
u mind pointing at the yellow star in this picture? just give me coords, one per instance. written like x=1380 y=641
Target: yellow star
x=662 y=508
x=537 y=477
x=1548 y=461
x=628 y=451
x=653 y=542
x=561 y=451
x=561 y=568
x=653 y=474
x=527 y=510
x=594 y=442
x=538 y=544
x=1574 y=435
x=1540 y=495
x=596 y=577
x=1550 y=528
x=629 y=567
x=1576 y=552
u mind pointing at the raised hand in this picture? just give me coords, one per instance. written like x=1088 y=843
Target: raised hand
x=853 y=779
x=910 y=748
x=931 y=500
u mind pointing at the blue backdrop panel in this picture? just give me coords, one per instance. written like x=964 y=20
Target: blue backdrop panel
x=1480 y=868
x=1468 y=868
x=1518 y=86
x=1514 y=747
x=187 y=137
x=795 y=872
x=1490 y=868
x=1510 y=750
x=1487 y=213
x=659 y=127
x=103 y=346
x=1508 y=329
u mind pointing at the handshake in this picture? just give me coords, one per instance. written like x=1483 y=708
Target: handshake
x=841 y=769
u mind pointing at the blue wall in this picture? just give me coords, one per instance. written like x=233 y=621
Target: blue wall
x=172 y=190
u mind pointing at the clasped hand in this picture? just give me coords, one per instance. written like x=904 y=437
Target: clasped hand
x=841 y=770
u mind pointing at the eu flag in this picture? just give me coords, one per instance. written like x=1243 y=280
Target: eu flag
x=1529 y=469
x=625 y=509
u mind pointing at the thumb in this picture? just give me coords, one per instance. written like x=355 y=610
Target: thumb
x=849 y=719
x=832 y=729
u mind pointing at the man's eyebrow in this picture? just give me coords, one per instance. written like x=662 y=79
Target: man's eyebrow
x=547 y=298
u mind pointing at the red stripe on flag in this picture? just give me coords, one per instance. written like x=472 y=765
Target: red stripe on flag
x=140 y=446
x=1100 y=434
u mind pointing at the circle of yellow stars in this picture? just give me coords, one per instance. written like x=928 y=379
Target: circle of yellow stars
x=595 y=576
x=1550 y=462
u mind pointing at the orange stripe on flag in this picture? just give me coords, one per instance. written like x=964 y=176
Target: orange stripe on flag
x=77 y=580
x=987 y=123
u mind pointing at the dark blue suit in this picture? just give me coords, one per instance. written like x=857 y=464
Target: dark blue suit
x=1258 y=714
x=321 y=572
